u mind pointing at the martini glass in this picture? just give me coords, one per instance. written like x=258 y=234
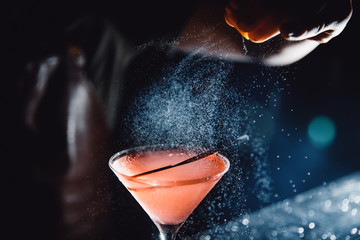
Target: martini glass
x=168 y=182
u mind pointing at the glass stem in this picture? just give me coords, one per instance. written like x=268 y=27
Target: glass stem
x=167 y=235
x=168 y=232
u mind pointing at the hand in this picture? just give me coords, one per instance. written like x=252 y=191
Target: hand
x=260 y=20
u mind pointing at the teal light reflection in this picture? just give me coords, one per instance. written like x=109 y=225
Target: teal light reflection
x=321 y=131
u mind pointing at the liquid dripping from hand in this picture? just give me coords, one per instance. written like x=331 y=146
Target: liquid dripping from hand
x=244 y=45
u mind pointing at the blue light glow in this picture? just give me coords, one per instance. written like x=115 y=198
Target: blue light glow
x=321 y=131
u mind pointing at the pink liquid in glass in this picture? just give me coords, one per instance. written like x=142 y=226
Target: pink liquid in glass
x=171 y=195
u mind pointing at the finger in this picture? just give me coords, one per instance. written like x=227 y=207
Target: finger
x=322 y=27
x=297 y=31
x=266 y=30
x=244 y=15
x=324 y=37
x=321 y=33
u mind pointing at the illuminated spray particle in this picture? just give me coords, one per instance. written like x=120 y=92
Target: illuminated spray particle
x=353 y=231
x=196 y=102
x=311 y=225
x=354 y=211
x=245 y=221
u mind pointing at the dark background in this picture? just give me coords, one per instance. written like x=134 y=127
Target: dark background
x=326 y=82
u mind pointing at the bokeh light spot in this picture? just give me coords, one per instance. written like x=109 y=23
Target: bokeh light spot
x=321 y=131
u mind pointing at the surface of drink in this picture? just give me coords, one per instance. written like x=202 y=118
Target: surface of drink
x=169 y=196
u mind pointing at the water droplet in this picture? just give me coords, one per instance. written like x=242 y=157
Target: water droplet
x=274 y=233
x=311 y=213
x=353 y=231
x=357 y=199
x=354 y=211
x=205 y=237
x=244 y=46
x=312 y=225
x=300 y=230
x=345 y=208
x=332 y=237
x=289 y=210
x=235 y=228
x=245 y=221
x=327 y=203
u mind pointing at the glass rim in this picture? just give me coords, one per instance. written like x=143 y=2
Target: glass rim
x=158 y=183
